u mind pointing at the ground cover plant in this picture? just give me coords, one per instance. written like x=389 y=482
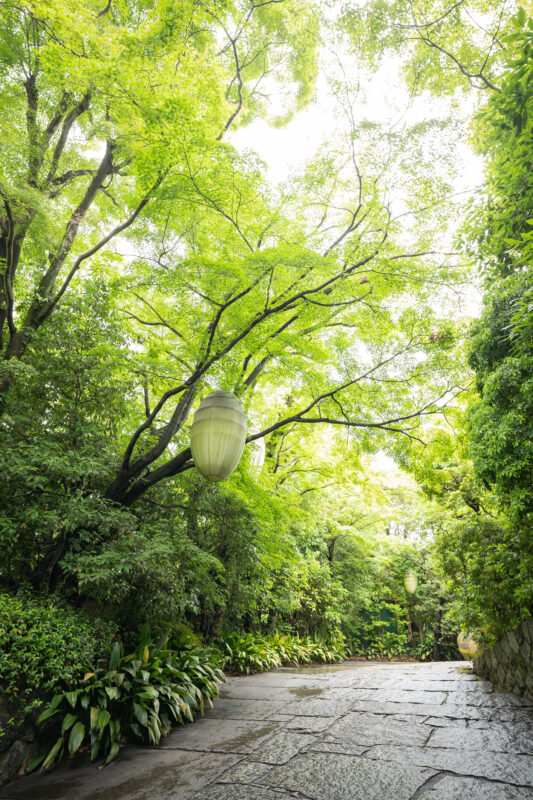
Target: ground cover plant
x=138 y=695
x=246 y=653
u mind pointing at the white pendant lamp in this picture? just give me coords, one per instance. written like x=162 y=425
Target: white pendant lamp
x=218 y=434
x=410 y=581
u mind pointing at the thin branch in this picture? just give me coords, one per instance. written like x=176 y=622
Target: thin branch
x=470 y=75
x=434 y=21
x=162 y=321
x=98 y=246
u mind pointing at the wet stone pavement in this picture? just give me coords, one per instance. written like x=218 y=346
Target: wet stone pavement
x=358 y=731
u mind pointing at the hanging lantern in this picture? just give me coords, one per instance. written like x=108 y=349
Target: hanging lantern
x=256 y=453
x=410 y=581
x=466 y=644
x=218 y=434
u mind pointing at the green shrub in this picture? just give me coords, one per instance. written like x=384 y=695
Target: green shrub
x=424 y=650
x=42 y=642
x=327 y=650
x=247 y=652
x=139 y=696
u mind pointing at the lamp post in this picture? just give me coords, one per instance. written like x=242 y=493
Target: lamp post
x=218 y=435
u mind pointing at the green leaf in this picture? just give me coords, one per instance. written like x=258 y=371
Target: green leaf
x=46 y=714
x=103 y=718
x=68 y=722
x=145 y=635
x=77 y=735
x=34 y=764
x=95 y=749
x=51 y=757
x=149 y=692
x=115 y=656
x=141 y=714
x=114 y=728
x=115 y=747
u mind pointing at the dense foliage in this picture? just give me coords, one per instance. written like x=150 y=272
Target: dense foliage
x=248 y=653
x=500 y=546
x=44 y=641
x=140 y=694
x=483 y=478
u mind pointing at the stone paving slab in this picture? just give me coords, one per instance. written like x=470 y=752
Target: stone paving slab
x=224 y=735
x=520 y=715
x=508 y=768
x=358 y=731
x=309 y=724
x=230 y=708
x=317 y=707
x=446 y=685
x=451 y=710
x=331 y=776
x=449 y=722
x=138 y=774
x=449 y=787
x=492 y=700
x=277 y=679
x=399 y=696
x=242 y=793
x=496 y=739
x=257 y=691
x=334 y=746
x=283 y=746
x=371 y=729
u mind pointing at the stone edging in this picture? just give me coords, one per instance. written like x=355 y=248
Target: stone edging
x=509 y=663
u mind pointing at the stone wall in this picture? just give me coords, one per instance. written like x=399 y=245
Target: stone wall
x=16 y=744
x=509 y=663
x=21 y=744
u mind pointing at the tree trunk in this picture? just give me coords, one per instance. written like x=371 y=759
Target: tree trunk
x=438 y=636
x=409 y=630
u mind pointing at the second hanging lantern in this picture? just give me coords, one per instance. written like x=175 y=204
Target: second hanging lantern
x=410 y=581
x=218 y=434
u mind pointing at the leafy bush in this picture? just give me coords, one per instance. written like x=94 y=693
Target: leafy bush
x=250 y=653
x=424 y=650
x=139 y=695
x=328 y=650
x=43 y=641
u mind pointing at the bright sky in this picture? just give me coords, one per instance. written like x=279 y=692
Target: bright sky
x=382 y=98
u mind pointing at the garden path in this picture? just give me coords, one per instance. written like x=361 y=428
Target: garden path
x=357 y=731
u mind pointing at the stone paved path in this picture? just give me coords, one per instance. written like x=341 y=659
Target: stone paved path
x=358 y=731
